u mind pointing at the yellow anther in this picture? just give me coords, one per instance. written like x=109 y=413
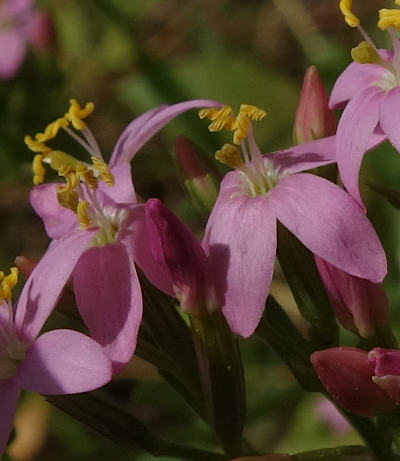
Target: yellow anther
x=52 y=129
x=8 y=283
x=102 y=169
x=68 y=200
x=38 y=169
x=229 y=155
x=389 y=18
x=72 y=180
x=221 y=118
x=246 y=113
x=36 y=146
x=75 y=113
x=397 y=2
x=345 y=7
x=82 y=214
x=364 y=53
x=87 y=176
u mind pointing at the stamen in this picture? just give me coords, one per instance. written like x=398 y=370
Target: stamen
x=38 y=169
x=52 y=129
x=364 y=53
x=83 y=217
x=246 y=113
x=36 y=146
x=102 y=169
x=75 y=113
x=389 y=18
x=221 y=118
x=229 y=155
x=68 y=199
x=8 y=283
x=351 y=19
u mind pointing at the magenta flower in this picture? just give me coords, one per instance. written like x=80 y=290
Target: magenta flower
x=100 y=231
x=57 y=362
x=386 y=365
x=16 y=18
x=241 y=232
x=371 y=88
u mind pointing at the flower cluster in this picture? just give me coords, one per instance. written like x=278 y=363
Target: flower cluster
x=107 y=245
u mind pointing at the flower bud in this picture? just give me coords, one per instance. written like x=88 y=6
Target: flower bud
x=198 y=173
x=42 y=32
x=178 y=251
x=360 y=305
x=386 y=365
x=313 y=118
x=347 y=374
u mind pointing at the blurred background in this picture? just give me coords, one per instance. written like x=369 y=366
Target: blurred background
x=127 y=57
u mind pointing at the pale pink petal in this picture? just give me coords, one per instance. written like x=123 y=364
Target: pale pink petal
x=10 y=8
x=9 y=395
x=313 y=154
x=134 y=235
x=356 y=126
x=390 y=116
x=12 y=52
x=108 y=296
x=43 y=288
x=64 y=362
x=241 y=242
x=122 y=191
x=355 y=78
x=330 y=224
x=147 y=125
x=57 y=220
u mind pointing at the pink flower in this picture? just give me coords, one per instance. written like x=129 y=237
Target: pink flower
x=386 y=365
x=57 y=362
x=15 y=28
x=370 y=87
x=101 y=231
x=240 y=236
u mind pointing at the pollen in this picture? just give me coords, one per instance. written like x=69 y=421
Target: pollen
x=38 y=169
x=351 y=19
x=7 y=283
x=82 y=213
x=223 y=118
x=68 y=200
x=389 y=18
x=52 y=129
x=103 y=171
x=364 y=53
x=229 y=155
x=76 y=114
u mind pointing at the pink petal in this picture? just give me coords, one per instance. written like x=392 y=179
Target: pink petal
x=122 y=191
x=109 y=299
x=43 y=288
x=58 y=221
x=356 y=126
x=134 y=235
x=331 y=224
x=12 y=52
x=9 y=396
x=355 y=78
x=140 y=130
x=64 y=362
x=15 y=7
x=241 y=242
x=390 y=116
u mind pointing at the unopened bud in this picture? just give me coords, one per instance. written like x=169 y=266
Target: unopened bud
x=179 y=253
x=347 y=375
x=199 y=174
x=313 y=118
x=360 y=305
x=42 y=34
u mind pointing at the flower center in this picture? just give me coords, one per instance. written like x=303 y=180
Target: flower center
x=257 y=174
x=80 y=191
x=12 y=350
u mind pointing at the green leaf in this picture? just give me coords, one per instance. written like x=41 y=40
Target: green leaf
x=392 y=195
x=347 y=453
